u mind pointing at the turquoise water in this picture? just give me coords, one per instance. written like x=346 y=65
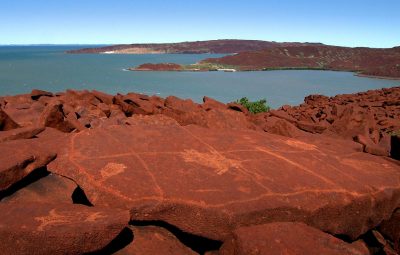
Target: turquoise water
x=48 y=68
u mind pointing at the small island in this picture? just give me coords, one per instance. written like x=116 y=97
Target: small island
x=198 y=67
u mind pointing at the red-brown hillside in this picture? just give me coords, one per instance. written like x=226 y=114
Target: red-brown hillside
x=368 y=61
x=213 y=46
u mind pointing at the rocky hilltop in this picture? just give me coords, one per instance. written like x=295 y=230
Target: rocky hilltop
x=88 y=172
x=366 y=61
x=380 y=63
x=199 y=47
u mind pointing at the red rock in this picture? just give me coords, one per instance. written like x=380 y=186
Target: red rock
x=391 y=102
x=223 y=119
x=158 y=102
x=209 y=104
x=6 y=123
x=151 y=120
x=125 y=107
x=53 y=116
x=19 y=158
x=282 y=127
x=238 y=107
x=90 y=112
x=105 y=108
x=72 y=121
x=391 y=229
x=181 y=105
x=370 y=146
x=155 y=241
x=47 y=228
x=354 y=121
x=41 y=219
x=282 y=115
x=376 y=150
x=288 y=238
x=316 y=99
x=103 y=97
x=310 y=127
x=36 y=94
x=140 y=103
x=49 y=189
x=230 y=179
x=338 y=110
x=20 y=133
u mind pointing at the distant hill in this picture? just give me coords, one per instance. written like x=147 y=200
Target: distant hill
x=213 y=46
x=367 y=61
x=265 y=55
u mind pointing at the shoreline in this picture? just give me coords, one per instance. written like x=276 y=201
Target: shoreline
x=355 y=73
x=378 y=77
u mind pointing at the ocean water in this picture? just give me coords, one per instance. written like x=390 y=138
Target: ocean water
x=23 y=68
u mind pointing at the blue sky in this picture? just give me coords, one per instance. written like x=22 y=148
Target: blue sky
x=347 y=23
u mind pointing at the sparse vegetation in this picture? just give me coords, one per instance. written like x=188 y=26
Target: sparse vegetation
x=294 y=68
x=207 y=66
x=395 y=133
x=254 y=107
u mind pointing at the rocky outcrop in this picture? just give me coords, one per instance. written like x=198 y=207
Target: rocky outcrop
x=368 y=118
x=138 y=174
x=42 y=228
x=288 y=238
x=244 y=173
x=156 y=241
x=6 y=123
x=20 y=158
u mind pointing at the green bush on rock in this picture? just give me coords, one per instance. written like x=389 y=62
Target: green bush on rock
x=254 y=107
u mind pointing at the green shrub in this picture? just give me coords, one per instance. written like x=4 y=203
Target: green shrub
x=254 y=107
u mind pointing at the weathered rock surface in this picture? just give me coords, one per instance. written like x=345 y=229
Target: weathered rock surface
x=206 y=170
x=20 y=133
x=45 y=188
x=230 y=179
x=36 y=94
x=47 y=228
x=391 y=229
x=372 y=114
x=156 y=241
x=288 y=238
x=41 y=219
x=6 y=123
x=19 y=158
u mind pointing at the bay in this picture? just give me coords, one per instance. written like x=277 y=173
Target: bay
x=23 y=68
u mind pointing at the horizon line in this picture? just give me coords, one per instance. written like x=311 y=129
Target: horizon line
x=174 y=42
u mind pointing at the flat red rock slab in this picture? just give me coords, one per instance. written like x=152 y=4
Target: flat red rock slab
x=289 y=239
x=50 y=228
x=155 y=241
x=19 y=158
x=20 y=133
x=49 y=189
x=209 y=182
